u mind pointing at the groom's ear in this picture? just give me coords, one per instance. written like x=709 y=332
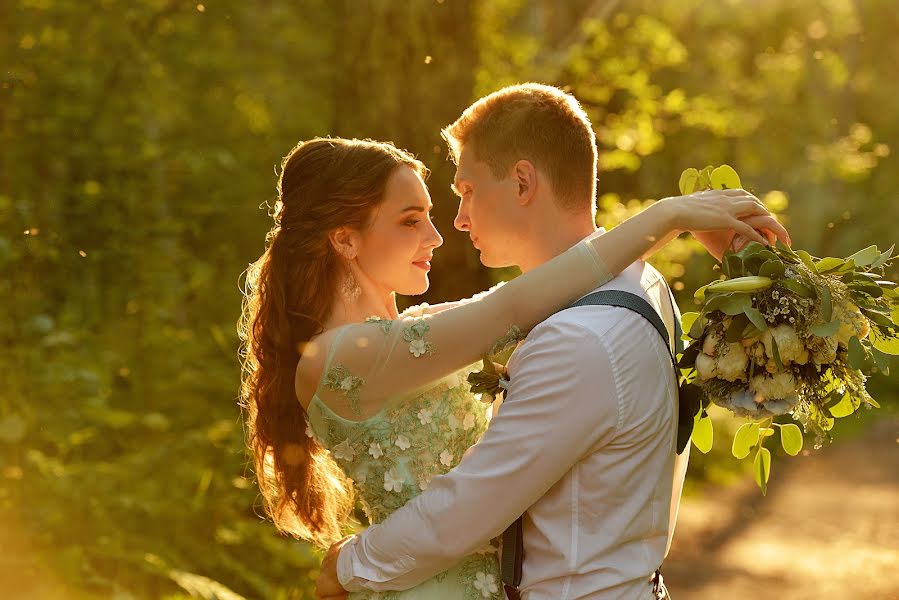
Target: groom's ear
x=525 y=176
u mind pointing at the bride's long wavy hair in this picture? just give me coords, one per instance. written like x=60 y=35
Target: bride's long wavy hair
x=325 y=183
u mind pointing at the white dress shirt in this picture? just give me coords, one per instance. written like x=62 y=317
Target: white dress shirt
x=583 y=445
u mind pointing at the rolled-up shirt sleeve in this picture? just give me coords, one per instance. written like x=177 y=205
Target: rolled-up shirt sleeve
x=563 y=402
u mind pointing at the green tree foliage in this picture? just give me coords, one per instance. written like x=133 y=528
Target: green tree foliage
x=137 y=145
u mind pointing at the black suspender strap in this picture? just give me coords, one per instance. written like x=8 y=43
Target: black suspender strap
x=513 y=544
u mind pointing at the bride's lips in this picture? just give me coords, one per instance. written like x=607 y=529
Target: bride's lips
x=423 y=264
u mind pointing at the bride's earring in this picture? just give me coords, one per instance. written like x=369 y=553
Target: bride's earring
x=351 y=290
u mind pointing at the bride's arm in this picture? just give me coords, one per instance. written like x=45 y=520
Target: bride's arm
x=380 y=360
x=420 y=310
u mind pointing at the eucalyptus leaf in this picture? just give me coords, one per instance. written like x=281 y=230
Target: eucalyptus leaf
x=704 y=181
x=687 y=319
x=883 y=258
x=872 y=289
x=845 y=407
x=762 y=469
x=886 y=345
x=791 y=439
x=703 y=435
x=733 y=266
x=698 y=327
x=824 y=330
x=882 y=360
x=865 y=257
x=689 y=405
x=699 y=294
x=756 y=318
x=825 y=265
x=798 y=288
x=688 y=180
x=736 y=304
x=826 y=304
x=772 y=268
x=806 y=258
x=736 y=329
x=746 y=437
x=725 y=177
x=776 y=352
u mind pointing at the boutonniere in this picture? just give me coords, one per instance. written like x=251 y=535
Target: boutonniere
x=493 y=378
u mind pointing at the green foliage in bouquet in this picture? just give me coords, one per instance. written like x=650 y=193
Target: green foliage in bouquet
x=784 y=333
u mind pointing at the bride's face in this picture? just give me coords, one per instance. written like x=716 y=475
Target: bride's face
x=397 y=247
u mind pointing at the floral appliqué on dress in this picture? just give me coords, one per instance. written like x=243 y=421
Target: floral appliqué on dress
x=340 y=379
x=415 y=335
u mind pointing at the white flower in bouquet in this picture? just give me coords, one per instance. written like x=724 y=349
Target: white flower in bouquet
x=789 y=347
x=726 y=361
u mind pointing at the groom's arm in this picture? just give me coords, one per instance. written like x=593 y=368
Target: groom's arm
x=562 y=403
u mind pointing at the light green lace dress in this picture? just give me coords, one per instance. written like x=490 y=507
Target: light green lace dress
x=393 y=454
x=394 y=409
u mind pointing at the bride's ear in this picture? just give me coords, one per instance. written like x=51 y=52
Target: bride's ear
x=345 y=242
x=525 y=176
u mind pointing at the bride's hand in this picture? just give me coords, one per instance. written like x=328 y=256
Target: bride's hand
x=735 y=211
x=718 y=242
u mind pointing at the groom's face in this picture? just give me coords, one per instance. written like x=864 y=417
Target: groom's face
x=489 y=210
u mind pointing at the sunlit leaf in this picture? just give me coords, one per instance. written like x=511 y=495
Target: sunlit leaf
x=825 y=265
x=703 y=435
x=762 y=469
x=845 y=407
x=688 y=180
x=746 y=437
x=791 y=439
x=806 y=258
x=725 y=177
x=886 y=345
x=865 y=257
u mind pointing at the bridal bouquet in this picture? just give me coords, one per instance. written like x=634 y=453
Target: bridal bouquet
x=784 y=333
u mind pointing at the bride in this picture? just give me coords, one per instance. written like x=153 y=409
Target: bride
x=348 y=399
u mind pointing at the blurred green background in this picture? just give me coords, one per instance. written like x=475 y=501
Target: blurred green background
x=138 y=142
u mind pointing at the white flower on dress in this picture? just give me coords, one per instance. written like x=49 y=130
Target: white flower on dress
x=393 y=482
x=486 y=584
x=347 y=383
x=423 y=482
x=343 y=451
x=424 y=416
x=375 y=450
x=418 y=347
x=402 y=442
x=468 y=423
x=309 y=432
x=446 y=458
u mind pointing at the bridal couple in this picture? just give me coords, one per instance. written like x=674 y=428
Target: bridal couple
x=347 y=399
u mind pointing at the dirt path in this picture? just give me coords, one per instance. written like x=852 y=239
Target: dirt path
x=827 y=530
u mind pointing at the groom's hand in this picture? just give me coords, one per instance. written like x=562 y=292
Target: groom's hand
x=327 y=586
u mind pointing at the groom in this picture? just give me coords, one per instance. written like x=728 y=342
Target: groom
x=584 y=443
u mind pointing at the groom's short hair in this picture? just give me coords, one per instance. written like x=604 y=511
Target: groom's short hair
x=534 y=122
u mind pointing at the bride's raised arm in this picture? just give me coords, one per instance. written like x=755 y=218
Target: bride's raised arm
x=371 y=362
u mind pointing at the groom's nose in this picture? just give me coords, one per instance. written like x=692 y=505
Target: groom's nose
x=462 y=222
